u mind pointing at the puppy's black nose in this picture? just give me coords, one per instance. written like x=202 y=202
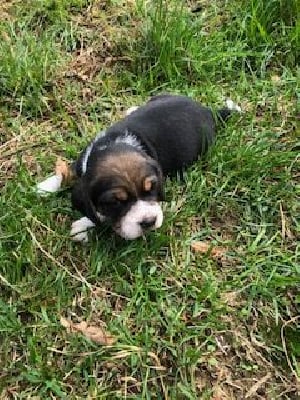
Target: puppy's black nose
x=148 y=223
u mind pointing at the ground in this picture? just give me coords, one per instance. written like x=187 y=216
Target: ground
x=152 y=318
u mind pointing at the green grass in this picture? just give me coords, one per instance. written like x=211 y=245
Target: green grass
x=188 y=326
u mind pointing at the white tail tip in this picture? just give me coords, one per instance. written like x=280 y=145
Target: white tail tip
x=233 y=106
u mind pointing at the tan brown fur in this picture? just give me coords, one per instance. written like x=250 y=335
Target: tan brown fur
x=149 y=181
x=64 y=169
x=130 y=171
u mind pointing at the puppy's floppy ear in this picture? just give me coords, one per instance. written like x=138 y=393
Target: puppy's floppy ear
x=81 y=201
x=160 y=179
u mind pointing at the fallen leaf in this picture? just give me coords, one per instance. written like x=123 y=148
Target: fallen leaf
x=257 y=386
x=5 y=36
x=86 y=93
x=95 y=333
x=275 y=78
x=219 y=394
x=65 y=323
x=64 y=169
x=232 y=299
x=205 y=247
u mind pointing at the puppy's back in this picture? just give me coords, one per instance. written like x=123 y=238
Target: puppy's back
x=176 y=129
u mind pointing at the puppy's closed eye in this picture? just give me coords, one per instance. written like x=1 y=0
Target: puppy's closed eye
x=120 y=195
x=114 y=197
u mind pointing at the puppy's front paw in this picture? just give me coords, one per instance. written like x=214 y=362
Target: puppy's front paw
x=80 y=237
x=79 y=230
x=49 y=185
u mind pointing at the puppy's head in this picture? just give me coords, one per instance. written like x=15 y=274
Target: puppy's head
x=125 y=188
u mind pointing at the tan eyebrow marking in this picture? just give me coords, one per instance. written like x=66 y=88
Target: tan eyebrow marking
x=148 y=183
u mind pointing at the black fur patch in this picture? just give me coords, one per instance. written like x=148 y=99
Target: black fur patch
x=171 y=131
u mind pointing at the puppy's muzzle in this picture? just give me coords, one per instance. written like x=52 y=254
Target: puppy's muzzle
x=143 y=216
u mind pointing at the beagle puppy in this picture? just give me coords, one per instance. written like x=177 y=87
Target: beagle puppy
x=119 y=175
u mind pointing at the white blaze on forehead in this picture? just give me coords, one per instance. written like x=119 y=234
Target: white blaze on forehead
x=130 y=225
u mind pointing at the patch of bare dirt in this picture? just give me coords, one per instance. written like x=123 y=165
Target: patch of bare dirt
x=6 y=7
x=223 y=224
x=241 y=368
x=105 y=30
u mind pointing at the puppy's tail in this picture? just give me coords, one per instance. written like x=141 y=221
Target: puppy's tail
x=224 y=113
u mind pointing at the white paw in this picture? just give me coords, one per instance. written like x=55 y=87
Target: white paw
x=79 y=230
x=233 y=106
x=81 y=237
x=131 y=110
x=49 y=185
